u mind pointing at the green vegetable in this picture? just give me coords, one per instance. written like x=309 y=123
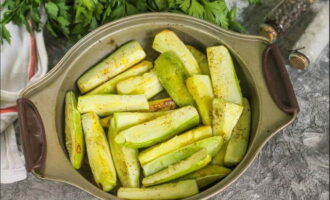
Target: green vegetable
x=219 y=158
x=224 y=79
x=159 y=129
x=211 y=144
x=125 y=159
x=147 y=84
x=191 y=164
x=207 y=175
x=172 y=75
x=125 y=120
x=178 y=190
x=104 y=104
x=98 y=151
x=105 y=121
x=73 y=19
x=109 y=87
x=74 y=139
x=162 y=105
x=174 y=143
x=225 y=117
x=200 y=58
x=239 y=140
x=167 y=40
x=200 y=88
x=123 y=58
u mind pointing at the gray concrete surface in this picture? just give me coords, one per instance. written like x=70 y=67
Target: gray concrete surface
x=293 y=165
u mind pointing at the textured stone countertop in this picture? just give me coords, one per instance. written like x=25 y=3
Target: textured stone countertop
x=294 y=164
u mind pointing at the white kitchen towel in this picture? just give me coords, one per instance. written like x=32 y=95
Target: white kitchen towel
x=23 y=62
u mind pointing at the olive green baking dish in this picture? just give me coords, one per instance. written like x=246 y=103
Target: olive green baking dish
x=263 y=78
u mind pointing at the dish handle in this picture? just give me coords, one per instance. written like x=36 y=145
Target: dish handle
x=278 y=80
x=32 y=135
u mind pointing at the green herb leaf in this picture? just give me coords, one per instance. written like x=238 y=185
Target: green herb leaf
x=52 y=10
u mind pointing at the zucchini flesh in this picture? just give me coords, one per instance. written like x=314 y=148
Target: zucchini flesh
x=125 y=120
x=167 y=40
x=162 y=105
x=200 y=88
x=224 y=79
x=104 y=104
x=105 y=121
x=172 y=76
x=147 y=84
x=159 y=129
x=225 y=117
x=211 y=144
x=238 y=143
x=109 y=87
x=191 y=164
x=125 y=160
x=98 y=151
x=123 y=58
x=200 y=58
x=219 y=158
x=207 y=175
x=174 y=143
x=177 y=190
x=74 y=138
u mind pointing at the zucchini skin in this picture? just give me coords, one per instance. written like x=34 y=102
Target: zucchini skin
x=176 y=190
x=223 y=75
x=109 y=87
x=98 y=151
x=123 y=58
x=171 y=74
x=167 y=40
x=73 y=131
x=125 y=160
x=159 y=129
x=106 y=104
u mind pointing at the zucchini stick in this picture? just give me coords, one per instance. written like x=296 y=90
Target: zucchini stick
x=109 y=87
x=147 y=84
x=123 y=58
x=162 y=105
x=200 y=88
x=159 y=129
x=167 y=40
x=191 y=164
x=200 y=58
x=178 y=190
x=174 y=143
x=99 y=155
x=224 y=79
x=104 y=104
x=211 y=144
x=125 y=159
x=105 y=121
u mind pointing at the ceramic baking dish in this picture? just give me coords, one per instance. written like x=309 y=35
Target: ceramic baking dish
x=263 y=78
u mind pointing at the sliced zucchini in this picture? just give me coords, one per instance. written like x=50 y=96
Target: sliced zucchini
x=177 y=190
x=123 y=58
x=162 y=105
x=125 y=120
x=159 y=129
x=174 y=143
x=125 y=159
x=219 y=158
x=98 y=151
x=207 y=175
x=200 y=88
x=147 y=84
x=239 y=140
x=172 y=76
x=167 y=40
x=224 y=79
x=200 y=58
x=225 y=117
x=109 y=87
x=211 y=144
x=191 y=164
x=106 y=104
x=105 y=121
x=74 y=138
